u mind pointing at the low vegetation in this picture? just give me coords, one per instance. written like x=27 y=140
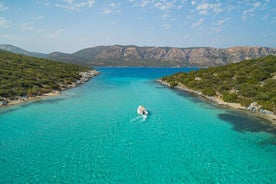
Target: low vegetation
x=244 y=82
x=29 y=76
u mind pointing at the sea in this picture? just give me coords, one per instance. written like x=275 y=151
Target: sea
x=93 y=134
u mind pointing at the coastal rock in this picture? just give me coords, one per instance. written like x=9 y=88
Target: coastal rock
x=254 y=107
x=263 y=111
x=85 y=76
x=3 y=103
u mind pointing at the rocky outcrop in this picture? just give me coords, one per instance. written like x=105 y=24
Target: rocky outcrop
x=110 y=52
x=131 y=52
x=86 y=76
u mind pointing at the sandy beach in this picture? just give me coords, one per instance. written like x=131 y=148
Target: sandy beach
x=21 y=100
x=236 y=106
x=86 y=76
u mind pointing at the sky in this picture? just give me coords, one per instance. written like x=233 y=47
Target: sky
x=71 y=25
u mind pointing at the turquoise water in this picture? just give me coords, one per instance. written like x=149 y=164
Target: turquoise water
x=92 y=134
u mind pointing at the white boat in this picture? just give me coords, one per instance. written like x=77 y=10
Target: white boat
x=142 y=110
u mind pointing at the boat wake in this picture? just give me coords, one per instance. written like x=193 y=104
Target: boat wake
x=140 y=118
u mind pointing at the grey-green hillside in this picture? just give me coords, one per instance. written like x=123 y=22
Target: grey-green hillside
x=27 y=76
x=245 y=82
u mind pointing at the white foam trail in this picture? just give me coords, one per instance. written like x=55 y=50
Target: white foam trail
x=144 y=117
x=140 y=118
x=136 y=118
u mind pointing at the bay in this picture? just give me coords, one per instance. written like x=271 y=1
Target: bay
x=92 y=134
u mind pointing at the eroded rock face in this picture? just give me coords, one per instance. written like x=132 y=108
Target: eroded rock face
x=131 y=52
x=110 y=52
x=156 y=53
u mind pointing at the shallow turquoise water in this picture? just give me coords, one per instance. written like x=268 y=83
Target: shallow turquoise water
x=92 y=134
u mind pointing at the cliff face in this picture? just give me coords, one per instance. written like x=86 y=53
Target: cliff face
x=169 y=56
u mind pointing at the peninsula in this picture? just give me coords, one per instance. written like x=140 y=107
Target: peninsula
x=24 y=78
x=248 y=85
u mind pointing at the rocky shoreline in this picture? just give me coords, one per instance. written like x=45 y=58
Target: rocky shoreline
x=252 y=109
x=85 y=77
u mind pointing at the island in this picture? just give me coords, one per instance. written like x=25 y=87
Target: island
x=24 y=78
x=249 y=85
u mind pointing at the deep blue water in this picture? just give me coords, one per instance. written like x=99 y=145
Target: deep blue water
x=92 y=134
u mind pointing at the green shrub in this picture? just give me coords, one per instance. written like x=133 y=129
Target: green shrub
x=209 y=91
x=230 y=97
x=23 y=75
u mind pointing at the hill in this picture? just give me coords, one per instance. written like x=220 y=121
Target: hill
x=250 y=83
x=131 y=55
x=18 y=50
x=24 y=76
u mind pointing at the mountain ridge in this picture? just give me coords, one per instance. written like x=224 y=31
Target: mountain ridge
x=132 y=55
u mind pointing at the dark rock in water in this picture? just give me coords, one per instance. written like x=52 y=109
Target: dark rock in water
x=246 y=124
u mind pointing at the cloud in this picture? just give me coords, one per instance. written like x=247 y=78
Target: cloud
x=144 y=3
x=193 y=3
x=198 y=23
x=30 y=26
x=2 y=7
x=159 y=4
x=169 y=4
x=217 y=27
x=204 y=8
x=56 y=33
x=70 y=4
x=167 y=26
x=164 y=5
x=221 y=22
x=27 y=26
x=257 y=4
x=250 y=12
x=106 y=11
x=37 y=18
x=230 y=8
x=46 y=3
x=165 y=16
x=112 y=7
x=3 y=23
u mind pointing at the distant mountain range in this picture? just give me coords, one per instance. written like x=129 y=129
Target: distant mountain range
x=131 y=55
